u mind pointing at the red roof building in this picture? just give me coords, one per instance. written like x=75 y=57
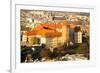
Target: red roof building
x=46 y=30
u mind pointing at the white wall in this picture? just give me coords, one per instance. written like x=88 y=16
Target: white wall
x=5 y=35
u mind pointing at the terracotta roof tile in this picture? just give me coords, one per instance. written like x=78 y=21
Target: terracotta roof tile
x=46 y=30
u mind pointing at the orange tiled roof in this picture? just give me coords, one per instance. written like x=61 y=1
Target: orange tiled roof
x=33 y=32
x=53 y=26
x=46 y=30
x=49 y=33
